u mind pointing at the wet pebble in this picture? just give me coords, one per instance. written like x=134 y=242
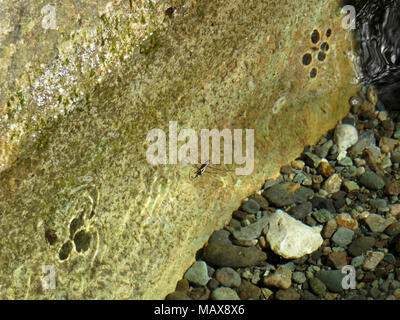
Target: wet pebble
x=377 y=223
x=228 y=277
x=281 y=278
x=317 y=287
x=251 y=206
x=198 y=273
x=302 y=210
x=226 y=255
x=372 y=181
x=223 y=293
x=249 y=291
x=288 y=294
x=343 y=236
x=361 y=245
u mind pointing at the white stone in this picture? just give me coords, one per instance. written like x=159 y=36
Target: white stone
x=291 y=238
x=345 y=136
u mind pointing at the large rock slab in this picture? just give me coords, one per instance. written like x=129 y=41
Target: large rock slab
x=78 y=101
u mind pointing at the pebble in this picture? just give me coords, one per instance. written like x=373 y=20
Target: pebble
x=177 y=295
x=322 y=215
x=345 y=162
x=330 y=228
x=345 y=220
x=201 y=293
x=333 y=183
x=350 y=186
x=380 y=205
x=343 y=236
x=197 y=274
x=288 y=294
x=249 y=291
x=372 y=259
x=392 y=189
x=267 y=293
x=371 y=180
x=251 y=206
x=394 y=229
x=291 y=238
x=228 y=277
x=226 y=255
x=323 y=150
x=281 y=278
x=332 y=279
x=262 y=202
x=358 y=261
x=285 y=194
x=239 y=215
x=301 y=211
x=224 y=293
x=376 y=223
x=317 y=286
x=361 y=245
x=345 y=136
x=337 y=259
x=396 y=293
x=325 y=169
x=394 y=209
x=298 y=164
x=220 y=236
x=252 y=231
x=390 y=258
x=212 y=284
x=323 y=203
x=365 y=139
x=311 y=159
x=182 y=285
x=299 y=277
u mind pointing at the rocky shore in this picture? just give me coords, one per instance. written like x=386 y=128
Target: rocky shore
x=335 y=206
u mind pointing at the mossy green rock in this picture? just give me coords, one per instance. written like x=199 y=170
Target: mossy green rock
x=76 y=195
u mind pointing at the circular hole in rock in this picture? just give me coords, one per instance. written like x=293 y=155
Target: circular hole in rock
x=328 y=32
x=313 y=73
x=321 y=56
x=75 y=224
x=315 y=36
x=325 y=46
x=307 y=59
x=65 y=250
x=82 y=240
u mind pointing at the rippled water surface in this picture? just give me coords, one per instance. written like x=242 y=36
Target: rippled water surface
x=378 y=36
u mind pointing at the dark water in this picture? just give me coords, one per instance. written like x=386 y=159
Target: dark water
x=378 y=38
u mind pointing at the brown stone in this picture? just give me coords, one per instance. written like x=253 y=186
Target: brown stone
x=392 y=189
x=346 y=220
x=325 y=169
x=337 y=259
